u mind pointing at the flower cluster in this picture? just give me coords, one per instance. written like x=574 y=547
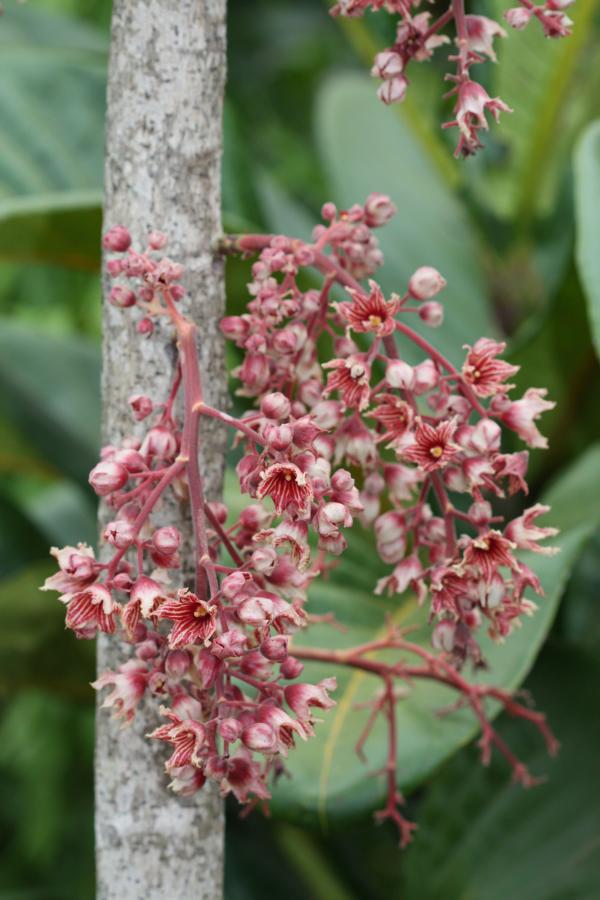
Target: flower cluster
x=353 y=431
x=417 y=37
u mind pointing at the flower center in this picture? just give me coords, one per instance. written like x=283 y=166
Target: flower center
x=200 y=612
x=436 y=451
x=375 y=321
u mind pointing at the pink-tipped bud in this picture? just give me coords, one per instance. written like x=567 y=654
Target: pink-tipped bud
x=387 y=64
x=114 y=267
x=400 y=375
x=157 y=240
x=260 y=737
x=141 y=406
x=279 y=437
x=379 y=209
x=219 y=511
x=264 y=559
x=432 y=313
x=119 y=534
x=425 y=283
x=275 y=406
x=177 y=663
x=145 y=327
x=230 y=729
x=518 y=17
x=393 y=90
x=122 y=297
x=159 y=442
x=130 y=458
x=291 y=668
x=234 y=584
x=443 y=636
x=122 y=581
x=275 y=648
x=107 y=477
x=167 y=540
x=117 y=239
x=230 y=643
x=328 y=212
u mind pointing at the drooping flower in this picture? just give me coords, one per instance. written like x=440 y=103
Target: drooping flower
x=90 y=610
x=77 y=568
x=288 y=487
x=187 y=737
x=129 y=683
x=525 y=533
x=472 y=103
x=521 y=415
x=194 y=620
x=484 y=372
x=302 y=697
x=433 y=447
x=395 y=416
x=481 y=32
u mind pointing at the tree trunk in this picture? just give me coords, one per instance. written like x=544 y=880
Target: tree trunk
x=163 y=154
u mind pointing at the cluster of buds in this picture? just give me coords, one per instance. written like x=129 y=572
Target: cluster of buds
x=417 y=37
x=410 y=451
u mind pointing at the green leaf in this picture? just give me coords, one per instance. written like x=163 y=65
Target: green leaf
x=21 y=541
x=52 y=98
x=51 y=388
x=587 y=211
x=552 y=87
x=480 y=837
x=328 y=780
x=430 y=227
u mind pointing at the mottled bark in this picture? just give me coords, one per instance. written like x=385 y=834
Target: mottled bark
x=163 y=151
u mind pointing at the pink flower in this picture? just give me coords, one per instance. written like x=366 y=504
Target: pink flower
x=90 y=610
x=129 y=683
x=107 y=477
x=521 y=415
x=481 y=32
x=370 y=314
x=488 y=552
x=394 y=415
x=350 y=377
x=433 y=447
x=484 y=372
x=187 y=736
x=287 y=486
x=78 y=568
x=406 y=573
x=425 y=283
x=379 y=209
x=301 y=697
x=526 y=534
x=472 y=104
x=282 y=725
x=194 y=619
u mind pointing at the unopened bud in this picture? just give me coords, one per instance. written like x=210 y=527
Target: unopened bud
x=122 y=297
x=400 y=375
x=141 y=406
x=177 y=662
x=107 y=477
x=425 y=283
x=275 y=406
x=432 y=313
x=291 y=668
x=275 y=648
x=117 y=239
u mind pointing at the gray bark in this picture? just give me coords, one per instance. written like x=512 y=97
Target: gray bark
x=163 y=154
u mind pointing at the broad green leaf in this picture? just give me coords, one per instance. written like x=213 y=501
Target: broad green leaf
x=482 y=838
x=51 y=388
x=52 y=98
x=587 y=207
x=20 y=540
x=328 y=780
x=61 y=228
x=366 y=149
x=552 y=86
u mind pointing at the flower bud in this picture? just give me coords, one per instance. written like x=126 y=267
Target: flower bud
x=432 y=314
x=157 y=240
x=279 y=437
x=219 y=511
x=166 y=540
x=122 y=297
x=393 y=90
x=260 y=737
x=264 y=559
x=275 y=648
x=425 y=283
x=107 y=477
x=230 y=729
x=291 y=668
x=275 y=406
x=119 y=534
x=518 y=17
x=234 y=584
x=387 y=64
x=141 y=406
x=379 y=209
x=328 y=211
x=400 y=375
x=443 y=635
x=145 y=327
x=117 y=239
x=177 y=662
x=130 y=458
x=230 y=643
x=159 y=442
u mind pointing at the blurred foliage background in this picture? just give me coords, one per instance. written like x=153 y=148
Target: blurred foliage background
x=516 y=231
